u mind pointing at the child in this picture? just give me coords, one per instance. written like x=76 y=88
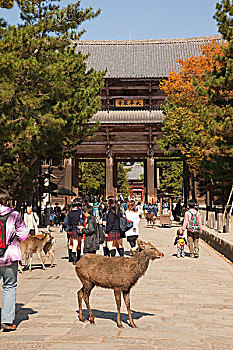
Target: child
x=180 y=242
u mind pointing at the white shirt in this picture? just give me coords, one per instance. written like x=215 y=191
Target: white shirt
x=134 y=217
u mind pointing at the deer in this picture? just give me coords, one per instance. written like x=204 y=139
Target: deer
x=49 y=247
x=117 y=273
x=150 y=219
x=32 y=245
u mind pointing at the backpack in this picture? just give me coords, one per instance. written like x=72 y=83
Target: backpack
x=126 y=206
x=100 y=233
x=193 y=223
x=3 y=244
x=125 y=224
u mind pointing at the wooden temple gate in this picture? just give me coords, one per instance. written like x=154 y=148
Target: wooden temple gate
x=130 y=117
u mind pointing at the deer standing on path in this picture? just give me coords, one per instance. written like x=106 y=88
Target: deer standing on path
x=118 y=273
x=33 y=245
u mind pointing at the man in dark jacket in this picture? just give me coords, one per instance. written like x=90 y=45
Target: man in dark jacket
x=91 y=242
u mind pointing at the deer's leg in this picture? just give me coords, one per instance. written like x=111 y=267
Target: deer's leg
x=52 y=259
x=40 y=257
x=87 y=288
x=127 y=304
x=117 y=293
x=30 y=262
x=80 y=311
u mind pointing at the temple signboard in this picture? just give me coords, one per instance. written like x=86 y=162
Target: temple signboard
x=128 y=102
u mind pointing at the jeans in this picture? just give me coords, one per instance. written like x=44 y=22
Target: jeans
x=9 y=275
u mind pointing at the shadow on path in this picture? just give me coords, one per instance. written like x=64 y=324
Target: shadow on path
x=136 y=315
x=22 y=314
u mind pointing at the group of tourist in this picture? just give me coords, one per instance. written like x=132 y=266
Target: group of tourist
x=83 y=225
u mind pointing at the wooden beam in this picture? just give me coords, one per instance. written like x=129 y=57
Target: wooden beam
x=134 y=97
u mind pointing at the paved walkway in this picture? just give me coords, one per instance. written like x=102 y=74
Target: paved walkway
x=180 y=304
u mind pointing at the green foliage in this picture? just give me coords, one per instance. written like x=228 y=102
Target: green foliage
x=92 y=179
x=122 y=182
x=47 y=95
x=171 y=177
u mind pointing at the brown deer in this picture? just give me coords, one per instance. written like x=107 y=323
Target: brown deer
x=119 y=274
x=49 y=247
x=150 y=219
x=33 y=245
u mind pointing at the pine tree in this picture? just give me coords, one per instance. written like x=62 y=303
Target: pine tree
x=47 y=95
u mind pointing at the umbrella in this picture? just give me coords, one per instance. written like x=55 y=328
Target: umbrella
x=64 y=192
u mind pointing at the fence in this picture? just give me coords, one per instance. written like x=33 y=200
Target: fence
x=215 y=220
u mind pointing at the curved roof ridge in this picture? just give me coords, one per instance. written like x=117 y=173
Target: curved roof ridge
x=149 y=41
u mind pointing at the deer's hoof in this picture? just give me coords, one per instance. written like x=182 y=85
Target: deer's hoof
x=43 y=268
x=133 y=325
x=92 y=321
x=82 y=319
x=120 y=326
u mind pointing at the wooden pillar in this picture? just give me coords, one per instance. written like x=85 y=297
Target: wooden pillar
x=75 y=164
x=145 y=182
x=150 y=180
x=68 y=173
x=109 y=176
x=115 y=177
x=155 y=181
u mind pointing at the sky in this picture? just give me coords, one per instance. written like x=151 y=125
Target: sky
x=143 y=19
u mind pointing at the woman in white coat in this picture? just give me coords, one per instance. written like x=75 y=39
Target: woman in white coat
x=132 y=234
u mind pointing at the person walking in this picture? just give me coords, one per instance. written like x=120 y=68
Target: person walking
x=133 y=233
x=47 y=213
x=91 y=240
x=113 y=237
x=57 y=212
x=31 y=221
x=192 y=222
x=12 y=227
x=75 y=235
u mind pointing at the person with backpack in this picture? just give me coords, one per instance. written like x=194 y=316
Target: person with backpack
x=192 y=222
x=90 y=230
x=12 y=230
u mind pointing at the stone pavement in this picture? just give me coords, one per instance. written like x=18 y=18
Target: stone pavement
x=179 y=304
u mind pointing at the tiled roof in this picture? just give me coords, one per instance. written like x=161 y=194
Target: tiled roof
x=126 y=117
x=140 y=58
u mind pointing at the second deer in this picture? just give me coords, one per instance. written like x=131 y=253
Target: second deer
x=119 y=274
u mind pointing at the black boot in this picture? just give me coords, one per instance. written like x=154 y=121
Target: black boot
x=74 y=257
x=121 y=251
x=106 y=251
x=70 y=255
x=78 y=254
x=112 y=252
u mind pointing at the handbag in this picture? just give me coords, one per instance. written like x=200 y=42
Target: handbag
x=125 y=224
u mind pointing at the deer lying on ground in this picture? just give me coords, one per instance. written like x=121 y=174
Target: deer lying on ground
x=150 y=219
x=32 y=245
x=118 y=273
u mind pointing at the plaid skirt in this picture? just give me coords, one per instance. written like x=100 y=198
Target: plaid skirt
x=73 y=234
x=113 y=236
